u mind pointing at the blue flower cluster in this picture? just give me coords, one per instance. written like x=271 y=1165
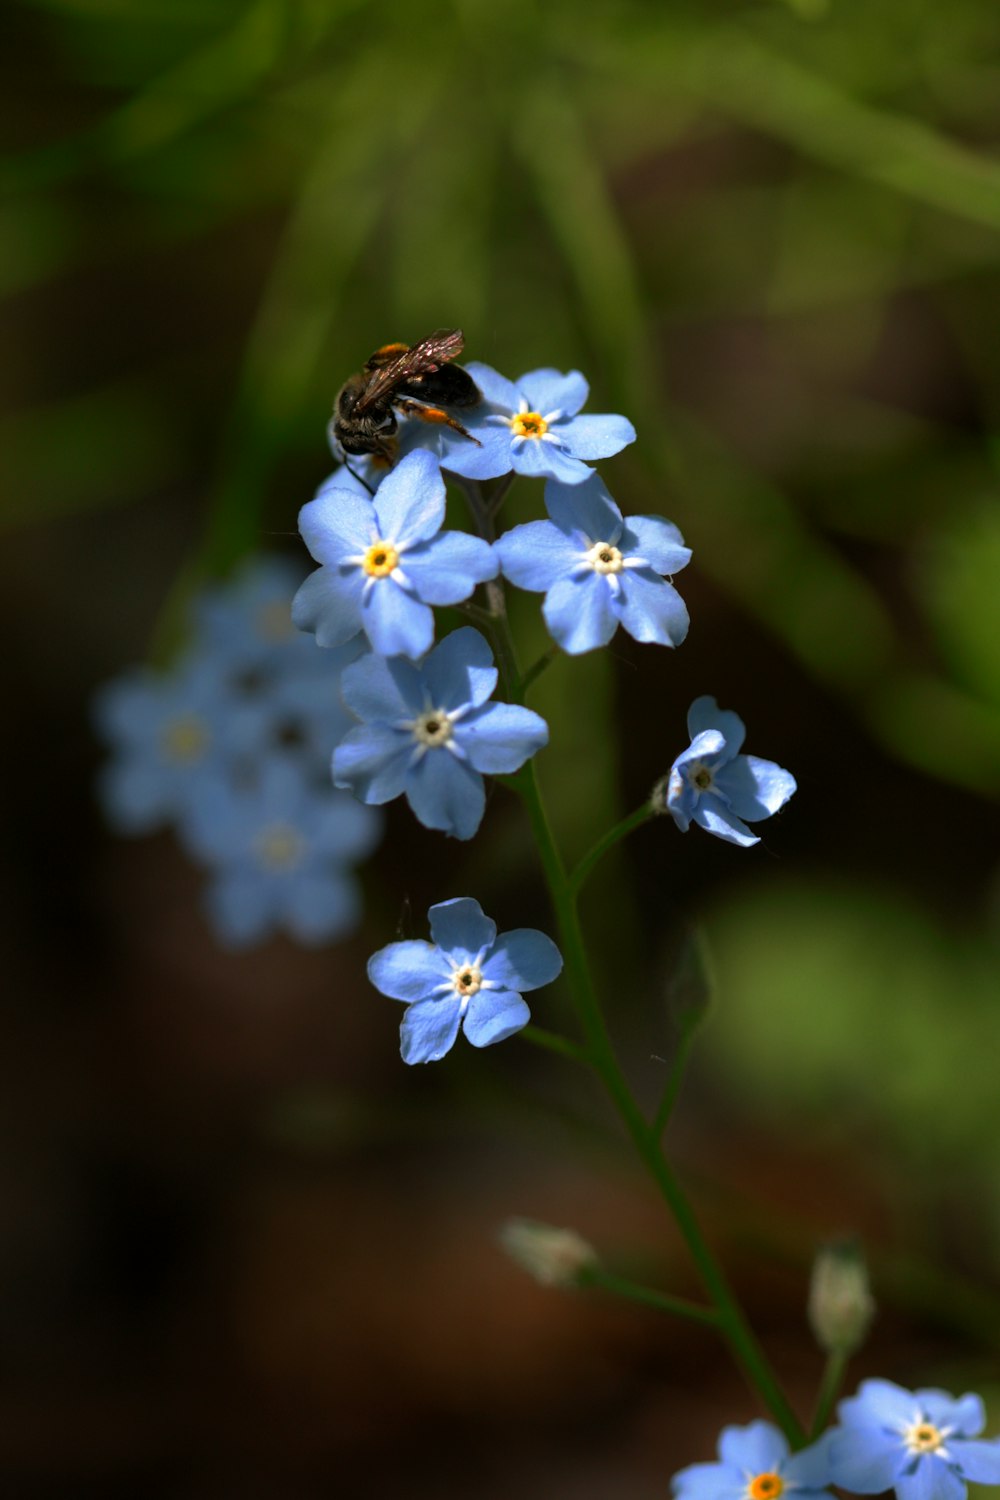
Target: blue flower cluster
x=923 y=1444
x=231 y=748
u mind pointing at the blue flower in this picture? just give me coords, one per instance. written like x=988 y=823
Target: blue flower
x=168 y=732
x=467 y=977
x=921 y=1443
x=598 y=570
x=714 y=786
x=281 y=850
x=385 y=561
x=428 y=731
x=246 y=621
x=531 y=426
x=755 y=1464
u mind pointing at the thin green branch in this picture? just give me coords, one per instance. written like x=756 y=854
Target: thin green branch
x=675 y=1078
x=632 y=1291
x=829 y=1389
x=538 y=667
x=614 y=835
x=551 y=1041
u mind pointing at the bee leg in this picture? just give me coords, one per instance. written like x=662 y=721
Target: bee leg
x=433 y=414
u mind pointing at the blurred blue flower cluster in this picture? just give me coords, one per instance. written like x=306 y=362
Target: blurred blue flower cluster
x=231 y=748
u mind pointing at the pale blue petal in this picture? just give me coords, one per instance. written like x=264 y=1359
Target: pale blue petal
x=376 y=689
x=879 y=1403
x=596 y=437
x=754 y=788
x=585 y=510
x=240 y=908
x=408 y=971
x=461 y=929
x=709 y=1482
x=134 y=796
x=394 y=622
x=578 y=613
x=493 y=1016
x=523 y=960
x=329 y=605
x=967 y=1415
x=712 y=815
x=978 y=1460
x=656 y=540
x=444 y=793
x=706 y=746
x=534 y=556
x=551 y=390
x=460 y=670
x=540 y=460
x=488 y=460
x=410 y=500
x=705 y=713
x=651 y=609
x=429 y=1030
x=373 y=761
x=758 y=1448
x=932 y=1479
x=126 y=708
x=320 y=907
x=341 y=827
x=495 y=388
x=338 y=525
x=810 y=1468
x=446 y=570
x=865 y=1459
x=500 y=737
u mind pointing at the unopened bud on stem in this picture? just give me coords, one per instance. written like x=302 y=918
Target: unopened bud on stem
x=840 y=1303
x=554 y=1257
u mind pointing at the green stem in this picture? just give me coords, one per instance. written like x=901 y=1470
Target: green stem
x=551 y=1041
x=632 y=1291
x=674 y=1079
x=538 y=667
x=829 y=1388
x=610 y=839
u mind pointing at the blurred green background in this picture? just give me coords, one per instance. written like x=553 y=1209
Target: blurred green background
x=245 y=1252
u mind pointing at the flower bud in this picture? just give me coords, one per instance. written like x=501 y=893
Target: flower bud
x=840 y=1304
x=554 y=1257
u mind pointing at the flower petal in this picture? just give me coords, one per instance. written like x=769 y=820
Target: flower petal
x=329 y=605
x=135 y=796
x=651 y=609
x=408 y=971
x=809 y=1469
x=754 y=788
x=550 y=390
x=524 y=959
x=534 y=556
x=239 y=907
x=446 y=793
x=709 y=1482
x=978 y=1460
x=878 y=1403
x=585 y=510
x=494 y=1015
x=967 y=1415
x=932 y=1479
x=429 y=1029
x=758 y=1448
x=597 y=436
x=658 y=541
x=865 y=1459
x=460 y=670
x=499 y=738
x=341 y=828
x=712 y=815
x=394 y=622
x=409 y=504
x=373 y=761
x=337 y=524
x=705 y=713
x=320 y=906
x=487 y=458
x=496 y=389
x=447 y=569
x=461 y=929
x=579 y=614
x=383 y=691
x=541 y=460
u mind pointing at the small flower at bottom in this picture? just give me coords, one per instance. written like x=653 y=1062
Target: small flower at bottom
x=756 y=1464
x=924 y=1444
x=428 y=731
x=712 y=785
x=467 y=977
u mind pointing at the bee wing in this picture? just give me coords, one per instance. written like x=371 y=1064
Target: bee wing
x=419 y=359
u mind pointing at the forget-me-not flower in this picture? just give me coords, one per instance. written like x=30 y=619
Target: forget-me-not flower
x=385 y=561
x=755 y=1464
x=598 y=570
x=532 y=426
x=245 y=622
x=712 y=785
x=429 y=732
x=281 y=849
x=467 y=977
x=924 y=1444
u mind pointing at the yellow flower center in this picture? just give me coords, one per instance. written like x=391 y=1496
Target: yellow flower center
x=467 y=980
x=185 y=740
x=924 y=1437
x=274 y=622
x=765 y=1487
x=380 y=559
x=529 y=424
x=701 y=777
x=279 y=846
x=603 y=557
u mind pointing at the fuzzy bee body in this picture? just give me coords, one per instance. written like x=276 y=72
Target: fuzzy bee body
x=418 y=380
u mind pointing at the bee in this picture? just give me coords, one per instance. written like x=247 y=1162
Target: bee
x=417 y=380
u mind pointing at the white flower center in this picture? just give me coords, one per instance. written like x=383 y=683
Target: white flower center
x=700 y=776
x=279 y=846
x=432 y=728
x=466 y=980
x=528 y=425
x=604 y=557
x=924 y=1437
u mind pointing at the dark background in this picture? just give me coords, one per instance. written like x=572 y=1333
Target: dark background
x=244 y=1251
